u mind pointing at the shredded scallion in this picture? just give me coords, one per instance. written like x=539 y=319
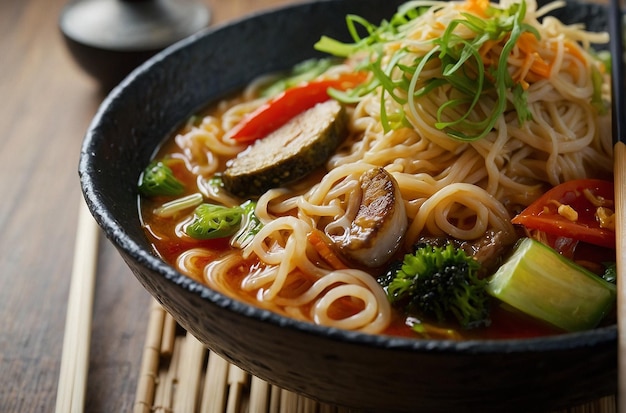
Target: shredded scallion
x=462 y=67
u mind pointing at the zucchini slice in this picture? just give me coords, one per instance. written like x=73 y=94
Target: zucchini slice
x=289 y=153
x=543 y=284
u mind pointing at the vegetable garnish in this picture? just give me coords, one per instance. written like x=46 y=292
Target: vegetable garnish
x=579 y=209
x=286 y=105
x=428 y=330
x=440 y=282
x=543 y=284
x=176 y=206
x=250 y=226
x=290 y=153
x=325 y=249
x=475 y=67
x=214 y=221
x=158 y=180
x=302 y=72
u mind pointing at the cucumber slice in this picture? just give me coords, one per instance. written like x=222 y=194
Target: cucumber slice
x=541 y=283
x=289 y=153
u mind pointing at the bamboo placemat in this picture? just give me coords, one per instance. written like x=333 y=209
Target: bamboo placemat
x=179 y=375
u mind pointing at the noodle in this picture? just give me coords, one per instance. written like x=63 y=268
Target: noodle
x=454 y=188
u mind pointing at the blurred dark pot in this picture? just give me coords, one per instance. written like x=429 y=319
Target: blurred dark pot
x=110 y=38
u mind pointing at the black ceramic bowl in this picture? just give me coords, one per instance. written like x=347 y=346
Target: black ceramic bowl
x=372 y=373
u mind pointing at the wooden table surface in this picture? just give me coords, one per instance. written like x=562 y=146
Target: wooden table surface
x=47 y=104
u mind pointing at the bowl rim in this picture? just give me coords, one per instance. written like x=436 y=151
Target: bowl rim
x=122 y=240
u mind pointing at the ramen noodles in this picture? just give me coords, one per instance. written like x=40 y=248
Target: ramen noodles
x=436 y=127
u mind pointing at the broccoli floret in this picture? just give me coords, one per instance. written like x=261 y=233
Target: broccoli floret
x=158 y=179
x=439 y=282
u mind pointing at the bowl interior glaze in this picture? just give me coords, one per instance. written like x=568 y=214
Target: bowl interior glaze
x=370 y=373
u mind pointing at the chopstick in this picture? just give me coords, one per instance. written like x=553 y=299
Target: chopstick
x=77 y=336
x=616 y=29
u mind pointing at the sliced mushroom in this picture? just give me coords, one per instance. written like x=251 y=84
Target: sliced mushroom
x=378 y=228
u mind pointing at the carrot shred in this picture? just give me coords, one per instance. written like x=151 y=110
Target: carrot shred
x=325 y=250
x=574 y=50
x=485 y=50
x=478 y=7
x=533 y=62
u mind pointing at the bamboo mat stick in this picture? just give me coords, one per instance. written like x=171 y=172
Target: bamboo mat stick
x=77 y=336
x=169 y=335
x=192 y=365
x=326 y=408
x=160 y=403
x=215 y=385
x=169 y=382
x=259 y=395
x=237 y=381
x=275 y=399
x=150 y=360
x=288 y=402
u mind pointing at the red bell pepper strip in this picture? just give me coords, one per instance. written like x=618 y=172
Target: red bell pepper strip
x=289 y=103
x=543 y=214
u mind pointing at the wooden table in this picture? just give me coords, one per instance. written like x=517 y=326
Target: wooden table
x=47 y=104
